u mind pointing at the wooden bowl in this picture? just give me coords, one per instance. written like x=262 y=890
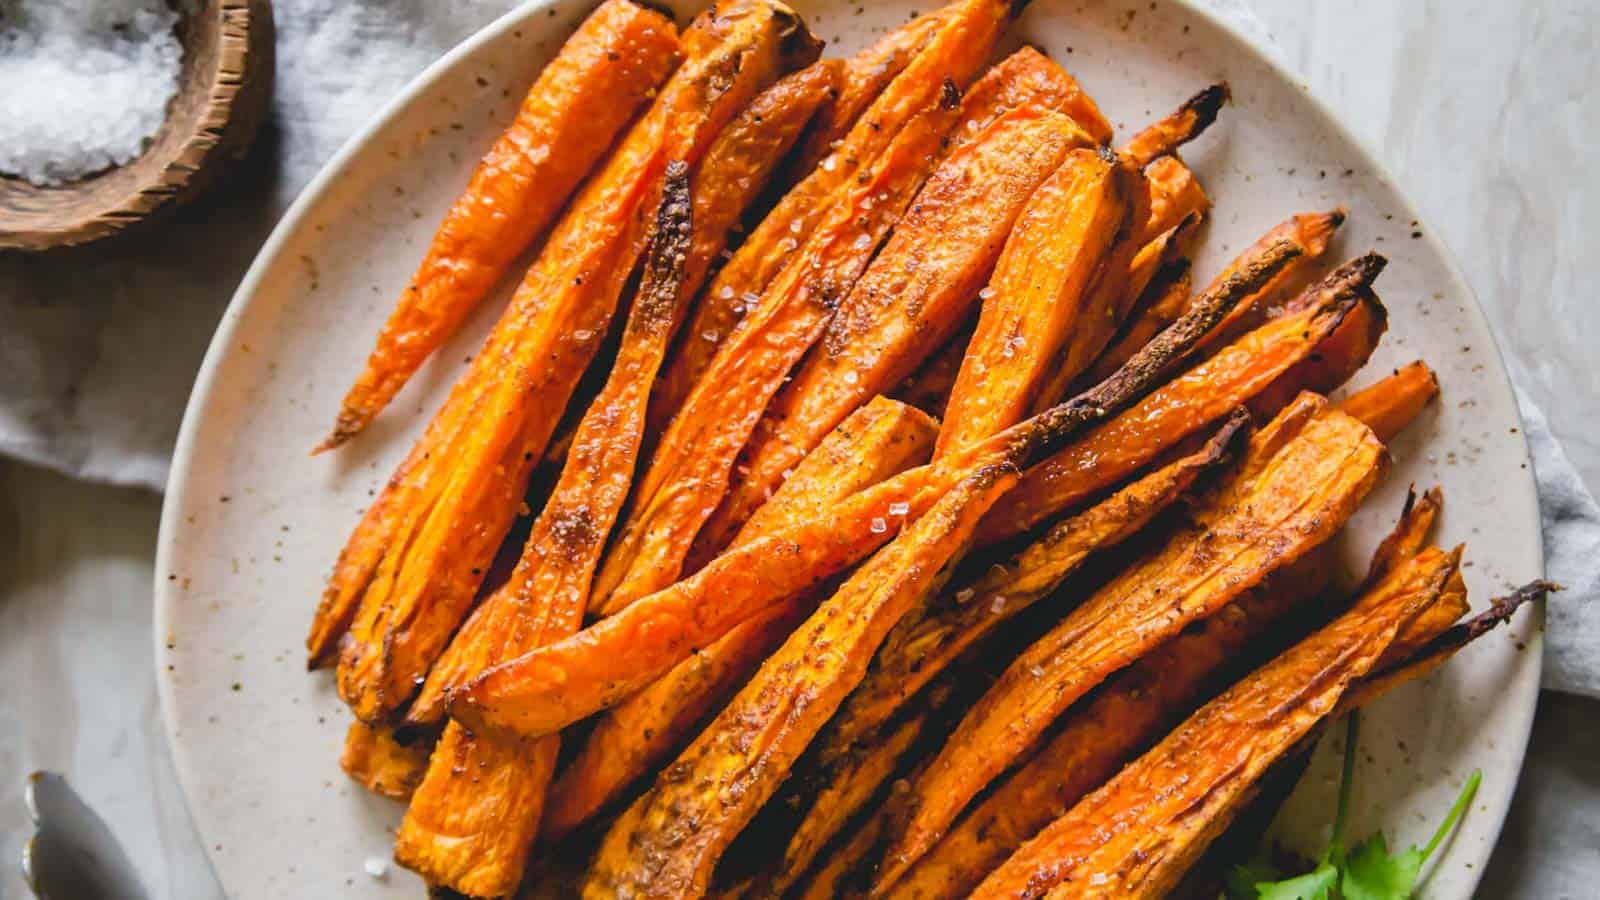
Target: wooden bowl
x=223 y=92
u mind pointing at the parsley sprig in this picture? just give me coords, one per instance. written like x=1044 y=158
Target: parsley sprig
x=1368 y=871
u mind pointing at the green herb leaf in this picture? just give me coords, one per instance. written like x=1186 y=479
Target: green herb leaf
x=1368 y=872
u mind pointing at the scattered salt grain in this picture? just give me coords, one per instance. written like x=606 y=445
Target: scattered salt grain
x=87 y=83
x=829 y=164
x=710 y=334
x=795 y=226
x=850 y=377
x=376 y=866
x=862 y=241
x=879 y=525
x=998 y=606
x=899 y=509
x=1036 y=670
x=582 y=334
x=965 y=594
x=726 y=293
x=986 y=293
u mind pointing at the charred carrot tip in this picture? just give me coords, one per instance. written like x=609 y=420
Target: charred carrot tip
x=1205 y=105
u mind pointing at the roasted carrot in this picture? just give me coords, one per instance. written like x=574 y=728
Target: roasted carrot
x=1311 y=232
x=1164 y=137
x=1168 y=293
x=727 y=181
x=1388 y=406
x=1205 y=393
x=1284 y=504
x=1437 y=652
x=1174 y=194
x=965 y=32
x=1139 y=833
x=930 y=639
x=457 y=505
x=478 y=808
x=1123 y=717
x=690 y=469
x=380 y=763
x=912 y=297
x=669 y=841
x=865 y=76
x=1037 y=294
x=563 y=682
x=877 y=441
x=579 y=104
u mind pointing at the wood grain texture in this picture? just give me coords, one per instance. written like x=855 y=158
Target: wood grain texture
x=223 y=92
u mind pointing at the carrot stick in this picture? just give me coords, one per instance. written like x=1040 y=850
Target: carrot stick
x=380 y=763
x=1141 y=831
x=929 y=640
x=1182 y=126
x=956 y=50
x=1391 y=404
x=1299 y=498
x=1168 y=294
x=576 y=108
x=477 y=810
x=1205 y=393
x=1036 y=296
x=669 y=841
x=1175 y=194
x=561 y=683
x=877 y=441
x=912 y=297
x=455 y=507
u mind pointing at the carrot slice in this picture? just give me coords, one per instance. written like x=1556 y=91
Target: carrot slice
x=912 y=297
x=558 y=684
x=690 y=469
x=668 y=842
x=1205 y=393
x=1391 y=404
x=1134 y=707
x=1299 y=497
x=579 y=104
x=929 y=640
x=1138 y=834
x=727 y=181
x=1036 y=296
x=380 y=763
x=877 y=441
x=1175 y=194
x=1182 y=126
x=456 y=506
x=477 y=810
x=956 y=49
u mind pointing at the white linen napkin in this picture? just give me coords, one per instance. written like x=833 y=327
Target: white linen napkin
x=100 y=345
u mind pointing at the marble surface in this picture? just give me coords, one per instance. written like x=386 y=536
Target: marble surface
x=1482 y=110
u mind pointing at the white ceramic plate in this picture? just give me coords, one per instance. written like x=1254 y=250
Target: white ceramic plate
x=252 y=523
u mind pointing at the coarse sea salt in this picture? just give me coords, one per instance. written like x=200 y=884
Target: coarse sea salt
x=86 y=83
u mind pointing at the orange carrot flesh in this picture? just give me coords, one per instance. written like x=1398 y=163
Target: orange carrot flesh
x=1298 y=499
x=912 y=297
x=1125 y=716
x=1175 y=194
x=690 y=469
x=669 y=841
x=477 y=810
x=1188 y=402
x=1394 y=402
x=879 y=440
x=727 y=181
x=456 y=507
x=579 y=104
x=966 y=30
x=380 y=763
x=1036 y=295
x=928 y=640
x=556 y=685
x=1167 y=135
x=1138 y=834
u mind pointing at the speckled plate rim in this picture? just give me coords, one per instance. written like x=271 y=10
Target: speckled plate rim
x=1495 y=798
